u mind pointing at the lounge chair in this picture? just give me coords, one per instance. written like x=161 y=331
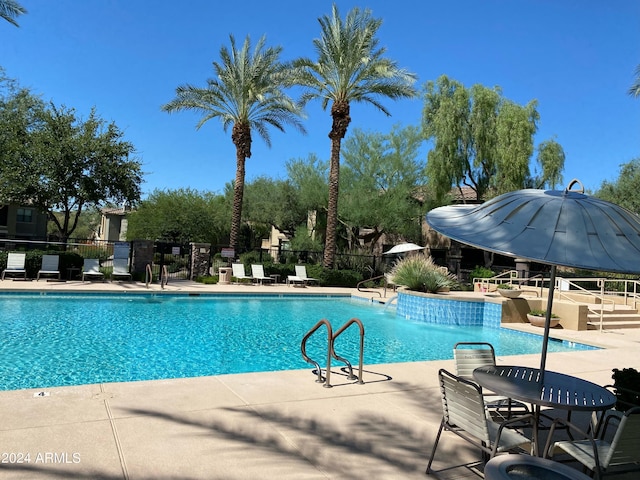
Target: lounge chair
x=91 y=269
x=15 y=265
x=120 y=268
x=300 y=276
x=465 y=414
x=238 y=272
x=603 y=457
x=49 y=266
x=257 y=272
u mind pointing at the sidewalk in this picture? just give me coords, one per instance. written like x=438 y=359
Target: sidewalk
x=277 y=425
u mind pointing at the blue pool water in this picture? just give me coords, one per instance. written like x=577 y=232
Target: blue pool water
x=56 y=339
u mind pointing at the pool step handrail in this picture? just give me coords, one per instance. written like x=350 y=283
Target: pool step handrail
x=148 y=275
x=331 y=353
x=351 y=376
x=164 y=276
x=303 y=349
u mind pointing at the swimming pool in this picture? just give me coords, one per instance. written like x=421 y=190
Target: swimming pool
x=74 y=339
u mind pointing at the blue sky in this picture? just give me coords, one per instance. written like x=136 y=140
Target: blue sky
x=126 y=57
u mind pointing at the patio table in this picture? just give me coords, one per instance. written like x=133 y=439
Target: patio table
x=544 y=389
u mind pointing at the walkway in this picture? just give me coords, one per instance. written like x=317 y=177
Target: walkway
x=279 y=425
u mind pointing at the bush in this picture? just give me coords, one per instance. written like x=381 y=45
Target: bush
x=481 y=272
x=627 y=385
x=334 y=278
x=421 y=274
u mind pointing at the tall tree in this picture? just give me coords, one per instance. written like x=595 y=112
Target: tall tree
x=625 y=191
x=247 y=93
x=10 y=9
x=350 y=68
x=60 y=164
x=480 y=139
x=180 y=216
x=550 y=159
x=381 y=184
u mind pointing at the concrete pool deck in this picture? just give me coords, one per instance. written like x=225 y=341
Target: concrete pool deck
x=276 y=425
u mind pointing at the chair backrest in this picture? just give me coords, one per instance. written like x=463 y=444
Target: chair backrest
x=121 y=265
x=91 y=265
x=238 y=270
x=463 y=405
x=301 y=271
x=625 y=445
x=15 y=261
x=257 y=271
x=470 y=355
x=50 y=263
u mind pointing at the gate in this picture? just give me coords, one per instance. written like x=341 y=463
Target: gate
x=175 y=257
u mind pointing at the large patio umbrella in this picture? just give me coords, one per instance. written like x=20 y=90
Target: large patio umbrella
x=559 y=228
x=403 y=248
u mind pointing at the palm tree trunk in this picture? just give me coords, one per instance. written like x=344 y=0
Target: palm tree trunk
x=341 y=119
x=241 y=137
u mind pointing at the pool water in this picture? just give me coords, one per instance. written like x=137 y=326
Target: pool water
x=57 y=339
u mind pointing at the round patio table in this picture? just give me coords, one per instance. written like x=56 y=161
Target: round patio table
x=547 y=389
x=544 y=389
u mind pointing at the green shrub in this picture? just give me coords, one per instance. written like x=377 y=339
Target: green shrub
x=421 y=274
x=627 y=385
x=208 y=280
x=334 y=278
x=482 y=272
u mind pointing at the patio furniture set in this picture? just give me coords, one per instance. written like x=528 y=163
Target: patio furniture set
x=488 y=406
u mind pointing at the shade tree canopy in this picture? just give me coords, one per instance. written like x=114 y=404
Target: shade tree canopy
x=181 y=216
x=483 y=141
x=60 y=163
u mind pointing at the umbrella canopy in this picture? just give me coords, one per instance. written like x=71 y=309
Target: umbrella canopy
x=403 y=248
x=566 y=228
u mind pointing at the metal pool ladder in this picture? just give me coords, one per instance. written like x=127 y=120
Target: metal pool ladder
x=331 y=353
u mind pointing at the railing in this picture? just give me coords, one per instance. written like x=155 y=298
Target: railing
x=362 y=282
x=331 y=353
x=303 y=349
x=344 y=360
x=164 y=276
x=148 y=275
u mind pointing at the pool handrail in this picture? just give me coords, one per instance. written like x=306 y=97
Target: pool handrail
x=344 y=360
x=148 y=275
x=303 y=349
x=164 y=277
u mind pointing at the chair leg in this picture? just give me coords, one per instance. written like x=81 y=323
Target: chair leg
x=435 y=445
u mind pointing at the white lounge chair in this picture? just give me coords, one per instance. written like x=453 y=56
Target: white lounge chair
x=15 y=265
x=238 y=272
x=300 y=276
x=49 y=266
x=91 y=269
x=120 y=268
x=257 y=271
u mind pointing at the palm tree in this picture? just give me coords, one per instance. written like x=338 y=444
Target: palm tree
x=634 y=91
x=246 y=93
x=350 y=68
x=10 y=9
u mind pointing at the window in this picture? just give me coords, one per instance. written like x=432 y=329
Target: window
x=24 y=215
x=4 y=215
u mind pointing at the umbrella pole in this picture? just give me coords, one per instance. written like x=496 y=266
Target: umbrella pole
x=547 y=321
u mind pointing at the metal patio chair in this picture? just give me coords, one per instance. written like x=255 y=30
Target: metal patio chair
x=466 y=415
